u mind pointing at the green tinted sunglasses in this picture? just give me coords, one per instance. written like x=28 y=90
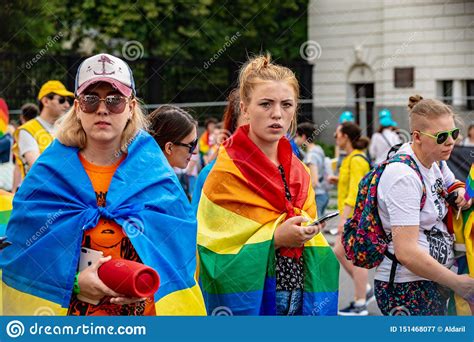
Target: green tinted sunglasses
x=442 y=136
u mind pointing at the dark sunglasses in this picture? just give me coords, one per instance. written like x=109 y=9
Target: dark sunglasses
x=192 y=145
x=115 y=104
x=442 y=136
x=62 y=100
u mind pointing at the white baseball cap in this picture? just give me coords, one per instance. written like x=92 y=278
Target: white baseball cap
x=105 y=68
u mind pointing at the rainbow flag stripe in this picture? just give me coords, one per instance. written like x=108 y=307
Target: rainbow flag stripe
x=4 y=117
x=237 y=218
x=6 y=200
x=464 y=244
x=470 y=184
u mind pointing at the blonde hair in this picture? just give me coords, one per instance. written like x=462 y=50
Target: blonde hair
x=422 y=110
x=71 y=133
x=260 y=69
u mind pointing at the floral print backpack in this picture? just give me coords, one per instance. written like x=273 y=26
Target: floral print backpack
x=364 y=239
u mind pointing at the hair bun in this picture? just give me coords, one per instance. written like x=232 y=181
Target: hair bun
x=413 y=100
x=260 y=62
x=266 y=60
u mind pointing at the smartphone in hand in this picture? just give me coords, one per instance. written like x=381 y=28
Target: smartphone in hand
x=324 y=218
x=88 y=257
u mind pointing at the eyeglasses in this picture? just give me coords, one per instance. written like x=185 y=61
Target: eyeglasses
x=442 y=136
x=192 y=145
x=115 y=104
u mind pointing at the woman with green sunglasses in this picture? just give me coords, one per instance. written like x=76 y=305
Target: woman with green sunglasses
x=412 y=210
x=442 y=136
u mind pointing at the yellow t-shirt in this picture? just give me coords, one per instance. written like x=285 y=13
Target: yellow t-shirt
x=353 y=169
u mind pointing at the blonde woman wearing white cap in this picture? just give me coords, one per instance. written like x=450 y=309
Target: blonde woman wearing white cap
x=105 y=191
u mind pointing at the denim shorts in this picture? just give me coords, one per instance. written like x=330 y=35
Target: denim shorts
x=322 y=201
x=289 y=303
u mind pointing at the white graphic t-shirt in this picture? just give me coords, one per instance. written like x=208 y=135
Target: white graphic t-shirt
x=399 y=196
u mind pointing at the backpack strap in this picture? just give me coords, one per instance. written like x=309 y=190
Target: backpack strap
x=393 y=269
x=408 y=160
x=386 y=140
x=394 y=149
x=441 y=165
x=363 y=156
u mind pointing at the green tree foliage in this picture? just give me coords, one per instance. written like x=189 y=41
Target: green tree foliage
x=169 y=29
x=26 y=24
x=200 y=43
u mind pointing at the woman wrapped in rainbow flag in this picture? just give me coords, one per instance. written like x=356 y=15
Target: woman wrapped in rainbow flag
x=256 y=257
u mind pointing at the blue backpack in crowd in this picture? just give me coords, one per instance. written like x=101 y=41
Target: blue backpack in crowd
x=364 y=239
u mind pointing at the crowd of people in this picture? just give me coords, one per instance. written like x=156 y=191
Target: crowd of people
x=228 y=220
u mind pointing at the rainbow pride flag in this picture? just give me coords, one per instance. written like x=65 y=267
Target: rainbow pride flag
x=6 y=200
x=464 y=247
x=470 y=184
x=4 y=117
x=242 y=203
x=203 y=143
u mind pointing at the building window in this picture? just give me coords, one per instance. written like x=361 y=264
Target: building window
x=404 y=77
x=447 y=92
x=470 y=94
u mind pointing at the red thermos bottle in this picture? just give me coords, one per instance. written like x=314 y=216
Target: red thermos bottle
x=129 y=278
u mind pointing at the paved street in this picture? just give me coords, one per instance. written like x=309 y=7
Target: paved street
x=346 y=287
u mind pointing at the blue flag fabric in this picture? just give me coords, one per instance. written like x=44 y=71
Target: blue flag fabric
x=56 y=203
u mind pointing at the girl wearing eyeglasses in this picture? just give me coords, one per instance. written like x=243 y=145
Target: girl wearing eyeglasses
x=419 y=237
x=103 y=190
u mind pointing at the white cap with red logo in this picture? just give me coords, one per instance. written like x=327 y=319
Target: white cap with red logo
x=105 y=68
